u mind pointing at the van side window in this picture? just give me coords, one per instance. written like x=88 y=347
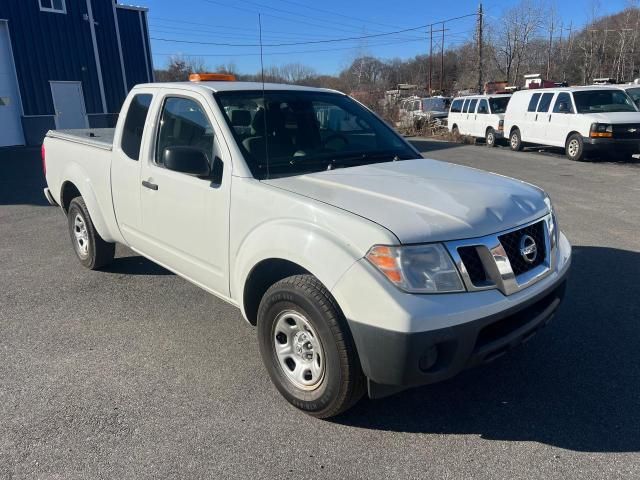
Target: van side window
x=563 y=103
x=465 y=107
x=483 y=107
x=184 y=123
x=134 y=125
x=534 y=102
x=456 y=106
x=472 y=105
x=545 y=102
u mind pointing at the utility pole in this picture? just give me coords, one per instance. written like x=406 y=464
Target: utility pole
x=480 y=20
x=548 y=76
x=442 y=62
x=430 y=55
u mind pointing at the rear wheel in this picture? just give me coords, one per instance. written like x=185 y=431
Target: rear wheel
x=307 y=348
x=490 y=137
x=455 y=131
x=574 y=147
x=92 y=251
x=515 y=140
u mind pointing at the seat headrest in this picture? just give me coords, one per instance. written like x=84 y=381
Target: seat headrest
x=240 y=118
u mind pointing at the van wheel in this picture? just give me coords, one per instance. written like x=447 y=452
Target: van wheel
x=490 y=137
x=515 y=140
x=307 y=348
x=455 y=131
x=574 y=147
x=92 y=251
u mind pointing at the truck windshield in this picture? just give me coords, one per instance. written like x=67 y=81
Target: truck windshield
x=498 y=104
x=598 y=101
x=284 y=133
x=634 y=93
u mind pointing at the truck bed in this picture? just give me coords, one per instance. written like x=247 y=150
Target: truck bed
x=95 y=137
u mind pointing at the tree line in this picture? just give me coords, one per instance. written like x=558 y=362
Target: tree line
x=529 y=37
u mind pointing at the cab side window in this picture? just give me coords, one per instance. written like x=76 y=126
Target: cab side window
x=563 y=103
x=533 y=103
x=134 y=125
x=456 y=106
x=184 y=123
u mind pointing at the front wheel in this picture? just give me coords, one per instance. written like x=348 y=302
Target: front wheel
x=92 y=251
x=515 y=140
x=574 y=148
x=490 y=137
x=307 y=348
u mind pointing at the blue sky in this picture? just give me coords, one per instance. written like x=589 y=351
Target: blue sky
x=207 y=22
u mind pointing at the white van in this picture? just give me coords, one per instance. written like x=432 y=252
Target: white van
x=479 y=116
x=633 y=90
x=579 y=119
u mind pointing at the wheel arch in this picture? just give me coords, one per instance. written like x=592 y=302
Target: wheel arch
x=573 y=132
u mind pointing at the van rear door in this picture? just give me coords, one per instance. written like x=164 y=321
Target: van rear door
x=539 y=124
x=526 y=131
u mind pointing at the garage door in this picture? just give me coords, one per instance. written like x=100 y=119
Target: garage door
x=10 y=125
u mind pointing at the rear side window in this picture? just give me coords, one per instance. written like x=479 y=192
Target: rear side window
x=134 y=125
x=483 y=107
x=545 y=102
x=456 y=106
x=472 y=105
x=534 y=102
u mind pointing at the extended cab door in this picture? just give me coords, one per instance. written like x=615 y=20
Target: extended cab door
x=185 y=219
x=128 y=148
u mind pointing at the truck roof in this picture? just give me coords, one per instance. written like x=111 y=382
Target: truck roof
x=233 y=86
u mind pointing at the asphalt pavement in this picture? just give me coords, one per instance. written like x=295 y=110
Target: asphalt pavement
x=132 y=372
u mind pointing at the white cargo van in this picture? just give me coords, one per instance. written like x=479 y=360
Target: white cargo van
x=579 y=119
x=479 y=116
x=633 y=90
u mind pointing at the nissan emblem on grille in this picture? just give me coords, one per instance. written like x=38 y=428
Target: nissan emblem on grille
x=528 y=249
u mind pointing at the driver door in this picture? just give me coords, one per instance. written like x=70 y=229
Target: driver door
x=185 y=219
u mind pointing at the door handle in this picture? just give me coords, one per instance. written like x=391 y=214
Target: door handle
x=536 y=117
x=549 y=117
x=149 y=185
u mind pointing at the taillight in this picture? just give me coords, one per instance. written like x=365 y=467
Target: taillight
x=44 y=161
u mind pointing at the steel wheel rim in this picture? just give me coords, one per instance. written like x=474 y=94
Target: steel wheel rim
x=573 y=147
x=514 y=141
x=81 y=235
x=298 y=350
x=490 y=138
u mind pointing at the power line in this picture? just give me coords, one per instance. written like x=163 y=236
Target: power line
x=311 y=42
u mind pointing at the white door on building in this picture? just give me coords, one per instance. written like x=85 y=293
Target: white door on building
x=10 y=110
x=68 y=102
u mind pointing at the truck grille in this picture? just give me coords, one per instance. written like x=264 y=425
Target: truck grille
x=473 y=264
x=511 y=244
x=626 y=131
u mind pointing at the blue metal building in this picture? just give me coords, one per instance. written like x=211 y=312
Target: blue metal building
x=68 y=64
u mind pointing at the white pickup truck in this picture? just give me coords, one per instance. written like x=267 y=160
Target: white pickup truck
x=364 y=266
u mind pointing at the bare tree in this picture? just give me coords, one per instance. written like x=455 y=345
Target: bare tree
x=179 y=68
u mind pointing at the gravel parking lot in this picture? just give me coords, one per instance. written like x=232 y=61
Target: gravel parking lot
x=134 y=373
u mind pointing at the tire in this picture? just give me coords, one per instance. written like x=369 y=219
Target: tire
x=515 y=140
x=490 y=138
x=92 y=251
x=574 y=148
x=455 y=131
x=318 y=370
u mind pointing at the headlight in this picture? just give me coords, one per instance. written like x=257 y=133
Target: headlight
x=554 y=232
x=417 y=268
x=601 y=130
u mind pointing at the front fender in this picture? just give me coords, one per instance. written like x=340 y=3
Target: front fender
x=325 y=255
x=74 y=174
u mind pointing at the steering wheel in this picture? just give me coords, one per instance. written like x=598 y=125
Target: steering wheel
x=336 y=137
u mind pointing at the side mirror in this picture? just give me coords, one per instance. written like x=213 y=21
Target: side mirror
x=184 y=159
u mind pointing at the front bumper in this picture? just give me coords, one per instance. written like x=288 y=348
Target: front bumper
x=406 y=340
x=630 y=144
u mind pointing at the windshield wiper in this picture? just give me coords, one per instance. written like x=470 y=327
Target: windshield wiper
x=365 y=158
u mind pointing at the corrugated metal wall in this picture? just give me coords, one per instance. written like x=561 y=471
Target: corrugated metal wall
x=132 y=30
x=109 y=54
x=51 y=46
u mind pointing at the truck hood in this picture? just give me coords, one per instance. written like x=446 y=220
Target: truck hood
x=424 y=200
x=614 y=117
